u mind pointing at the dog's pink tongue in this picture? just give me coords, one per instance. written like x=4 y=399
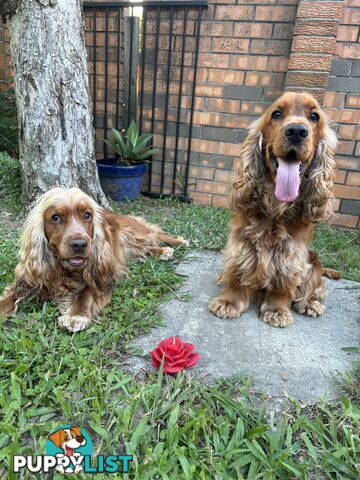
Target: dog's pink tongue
x=287 y=180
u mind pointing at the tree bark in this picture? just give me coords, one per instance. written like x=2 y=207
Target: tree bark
x=53 y=101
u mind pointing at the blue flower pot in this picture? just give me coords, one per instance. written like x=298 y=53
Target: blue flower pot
x=121 y=182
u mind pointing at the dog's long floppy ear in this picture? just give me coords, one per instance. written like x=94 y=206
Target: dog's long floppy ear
x=245 y=188
x=76 y=430
x=317 y=192
x=37 y=266
x=57 y=437
x=101 y=270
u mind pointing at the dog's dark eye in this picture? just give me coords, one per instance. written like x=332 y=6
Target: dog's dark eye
x=87 y=216
x=276 y=114
x=314 y=117
x=56 y=218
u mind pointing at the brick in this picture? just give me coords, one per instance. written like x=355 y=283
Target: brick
x=355 y=69
x=340 y=176
x=348 y=116
x=220 y=201
x=219 y=134
x=272 y=94
x=275 y=13
x=347 y=162
x=344 y=84
x=204 y=146
x=231 y=149
x=316 y=27
x=278 y=64
x=236 y=121
x=349 y=192
x=217 y=29
x=314 y=44
x=212 y=187
x=349 y=132
x=319 y=9
x=348 y=51
x=213 y=61
x=306 y=80
x=347 y=33
x=303 y=61
x=353 y=178
x=248 y=62
x=218 y=161
x=265 y=79
x=253 y=30
x=238 y=92
x=204 y=90
x=270 y=47
x=283 y=30
x=230 y=45
x=350 y=16
x=343 y=220
x=238 y=12
x=206 y=118
x=350 y=206
x=341 y=67
x=336 y=205
x=357 y=150
x=222 y=105
x=353 y=101
x=229 y=76
x=225 y=176
x=203 y=173
x=202 y=198
x=346 y=147
x=253 y=108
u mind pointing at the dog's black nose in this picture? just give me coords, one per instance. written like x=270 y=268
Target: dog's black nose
x=78 y=246
x=296 y=132
x=80 y=438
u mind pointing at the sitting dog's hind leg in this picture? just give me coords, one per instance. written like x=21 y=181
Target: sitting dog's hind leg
x=311 y=291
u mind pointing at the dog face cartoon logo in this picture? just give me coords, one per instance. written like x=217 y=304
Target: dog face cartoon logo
x=68 y=439
x=72 y=442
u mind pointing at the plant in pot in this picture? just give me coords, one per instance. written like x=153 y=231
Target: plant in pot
x=122 y=177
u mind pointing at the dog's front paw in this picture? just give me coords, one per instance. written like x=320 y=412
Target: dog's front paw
x=74 y=323
x=224 y=308
x=167 y=254
x=312 y=308
x=278 y=318
x=185 y=242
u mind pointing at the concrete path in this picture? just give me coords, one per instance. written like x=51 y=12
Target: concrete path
x=298 y=361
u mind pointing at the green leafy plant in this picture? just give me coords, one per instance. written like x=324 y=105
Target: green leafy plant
x=131 y=147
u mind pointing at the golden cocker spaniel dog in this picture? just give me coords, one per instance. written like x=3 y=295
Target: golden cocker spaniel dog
x=284 y=186
x=73 y=251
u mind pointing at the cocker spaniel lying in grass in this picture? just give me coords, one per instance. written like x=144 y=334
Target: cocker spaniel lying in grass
x=284 y=186
x=73 y=252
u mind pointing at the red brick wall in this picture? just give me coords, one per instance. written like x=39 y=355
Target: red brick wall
x=5 y=60
x=245 y=48
x=342 y=104
x=250 y=51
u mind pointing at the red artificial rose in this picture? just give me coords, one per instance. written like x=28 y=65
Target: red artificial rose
x=177 y=355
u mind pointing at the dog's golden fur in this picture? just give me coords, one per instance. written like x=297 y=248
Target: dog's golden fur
x=73 y=251
x=267 y=255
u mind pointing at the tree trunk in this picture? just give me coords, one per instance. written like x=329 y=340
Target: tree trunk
x=52 y=94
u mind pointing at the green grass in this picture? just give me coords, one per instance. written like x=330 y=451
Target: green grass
x=176 y=427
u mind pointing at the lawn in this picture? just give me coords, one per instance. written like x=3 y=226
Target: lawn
x=176 y=427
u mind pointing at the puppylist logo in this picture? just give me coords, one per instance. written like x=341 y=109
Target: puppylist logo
x=69 y=449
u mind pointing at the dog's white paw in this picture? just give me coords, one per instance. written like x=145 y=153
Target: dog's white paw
x=74 y=323
x=186 y=243
x=167 y=254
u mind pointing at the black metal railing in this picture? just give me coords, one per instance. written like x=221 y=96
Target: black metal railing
x=143 y=66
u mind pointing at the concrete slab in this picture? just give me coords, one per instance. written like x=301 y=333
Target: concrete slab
x=298 y=361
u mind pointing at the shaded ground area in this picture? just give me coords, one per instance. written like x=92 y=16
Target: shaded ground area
x=298 y=361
